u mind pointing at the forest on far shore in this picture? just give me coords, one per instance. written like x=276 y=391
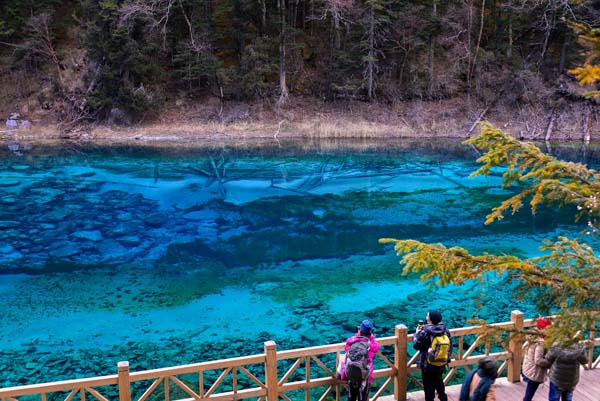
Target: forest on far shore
x=78 y=62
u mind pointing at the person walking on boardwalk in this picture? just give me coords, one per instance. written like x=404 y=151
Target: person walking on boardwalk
x=533 y=374
x=479 y=384
x=358 y=367
x=434 y=343
x=564 y=363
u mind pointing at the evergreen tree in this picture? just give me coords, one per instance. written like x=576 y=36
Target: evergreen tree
x=590 y=72
x=14 y=15
x=194 y=61
x=567 y=279
x=374 y=21
x=124 y=61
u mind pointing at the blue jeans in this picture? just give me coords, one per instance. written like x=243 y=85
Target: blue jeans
x=531 y=388
x=557 y=394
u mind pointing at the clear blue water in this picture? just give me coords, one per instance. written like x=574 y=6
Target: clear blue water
x=165 y=256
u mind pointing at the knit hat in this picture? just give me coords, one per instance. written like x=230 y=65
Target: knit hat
x=366 y=327
x=435 y=316
x=489 y=366
x=543 y=322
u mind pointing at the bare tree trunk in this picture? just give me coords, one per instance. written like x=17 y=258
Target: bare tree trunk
x=432 y=55
x=469 y=29
x=190 y=28
x=42 y=42
x=586 y=124
x=550 y=127
x=478 y=40
x=312 y=13
x=295 y=15
x=336 y=26
x=329 y=71
x=208 y=10
x=549 y=28
x=284 y=94
x=563 y=54
x=496 y=17
x=371 y=57
x=304 y=14
x=263 y=17
x=510 y=31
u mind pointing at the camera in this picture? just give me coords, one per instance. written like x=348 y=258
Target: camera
x=420 y=325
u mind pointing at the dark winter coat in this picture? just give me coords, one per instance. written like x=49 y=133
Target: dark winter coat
x=422 y=342
x=564 y=364
x=477 y=386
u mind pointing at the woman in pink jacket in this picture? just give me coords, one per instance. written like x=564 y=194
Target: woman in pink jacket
x=359 y=389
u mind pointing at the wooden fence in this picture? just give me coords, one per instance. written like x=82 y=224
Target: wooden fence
x=304 y=373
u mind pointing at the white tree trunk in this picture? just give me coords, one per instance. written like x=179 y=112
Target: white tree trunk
x=284 y=94
x=371 y=59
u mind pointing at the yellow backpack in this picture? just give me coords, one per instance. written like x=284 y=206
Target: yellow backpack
x=438 y=353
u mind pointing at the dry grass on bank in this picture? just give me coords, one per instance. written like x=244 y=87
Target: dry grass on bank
x=317 y=120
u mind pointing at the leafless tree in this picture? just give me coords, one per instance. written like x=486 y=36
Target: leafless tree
x=375 y=33
x=133 y=11
x=283 y=90
x=340 y=12
x=41 y=41
x=156 y=12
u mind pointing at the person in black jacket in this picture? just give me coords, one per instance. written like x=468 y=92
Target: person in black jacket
x=564 y=363
x=432 y=375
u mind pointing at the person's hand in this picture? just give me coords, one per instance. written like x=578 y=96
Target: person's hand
x=420 y=326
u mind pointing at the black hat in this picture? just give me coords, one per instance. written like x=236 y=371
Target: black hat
x=435 y=316
x=489 y=366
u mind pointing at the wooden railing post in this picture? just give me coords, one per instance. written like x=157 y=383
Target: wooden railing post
x=124 y=383
x=590 y=363
x=515 y=346
x=400 y=360
x=271 y=380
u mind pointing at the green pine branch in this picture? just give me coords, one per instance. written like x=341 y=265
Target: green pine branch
x=566 y=280
x=545 y=178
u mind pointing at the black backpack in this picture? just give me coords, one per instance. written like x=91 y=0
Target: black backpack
x=357 y=361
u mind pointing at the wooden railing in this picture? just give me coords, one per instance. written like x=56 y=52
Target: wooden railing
x=305 y=373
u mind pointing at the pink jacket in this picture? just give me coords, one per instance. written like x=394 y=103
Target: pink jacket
x=373 y=349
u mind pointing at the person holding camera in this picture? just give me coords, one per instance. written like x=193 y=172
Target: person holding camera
x=434 y=343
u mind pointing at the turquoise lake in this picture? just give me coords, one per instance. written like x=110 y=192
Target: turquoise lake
x=167 y=256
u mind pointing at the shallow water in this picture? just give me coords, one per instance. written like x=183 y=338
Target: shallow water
x=165 y=256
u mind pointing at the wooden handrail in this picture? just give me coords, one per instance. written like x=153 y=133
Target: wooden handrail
x=308 y=369
x=198 y=367
x=52 y=387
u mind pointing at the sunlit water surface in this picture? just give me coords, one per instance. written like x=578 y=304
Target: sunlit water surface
x=165 y=256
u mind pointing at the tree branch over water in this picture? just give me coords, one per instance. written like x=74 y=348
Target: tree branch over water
x=566 y=280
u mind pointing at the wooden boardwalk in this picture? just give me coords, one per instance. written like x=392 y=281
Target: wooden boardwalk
x=588 y=389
